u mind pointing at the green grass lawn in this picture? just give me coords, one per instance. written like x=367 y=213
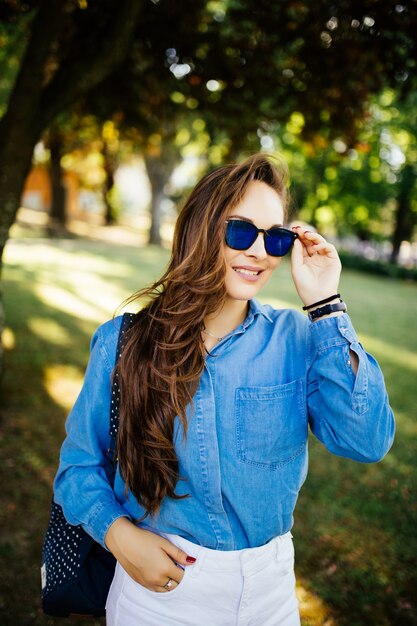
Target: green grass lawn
x=355 y=527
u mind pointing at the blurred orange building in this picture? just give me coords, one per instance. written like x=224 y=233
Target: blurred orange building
x=37 y=191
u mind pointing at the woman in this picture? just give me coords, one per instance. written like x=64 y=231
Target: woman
x=217 y=392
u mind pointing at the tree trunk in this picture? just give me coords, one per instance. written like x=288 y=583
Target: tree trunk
x=404 y=222
x=109 y=216
x=34 y=101
x=2 y=323
x=58 y=206
x=159 y=168
x=156 y=215
x=157 y=179
x=110 y=166
x=19 y=127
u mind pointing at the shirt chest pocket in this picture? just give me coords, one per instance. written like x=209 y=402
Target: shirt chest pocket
x=271 y=424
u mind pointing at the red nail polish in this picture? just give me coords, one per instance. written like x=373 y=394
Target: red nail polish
x=190 y=559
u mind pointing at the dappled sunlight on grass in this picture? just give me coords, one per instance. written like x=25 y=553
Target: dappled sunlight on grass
x=86 y=278
x=8 y=338
x=382 y=308
x=384 y=350
x=49 y=330
x=63 y=383
x=355 y=524
x=62 y=300
x=313 y=611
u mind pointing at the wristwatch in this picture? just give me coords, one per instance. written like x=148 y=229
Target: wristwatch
x=325 y=310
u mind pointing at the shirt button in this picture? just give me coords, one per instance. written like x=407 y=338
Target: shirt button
x=348 y=362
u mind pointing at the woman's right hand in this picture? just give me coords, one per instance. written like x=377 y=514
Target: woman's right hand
x=148 y=558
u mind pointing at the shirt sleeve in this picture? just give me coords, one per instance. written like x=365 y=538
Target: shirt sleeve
x=348 y=413
x=81 y=486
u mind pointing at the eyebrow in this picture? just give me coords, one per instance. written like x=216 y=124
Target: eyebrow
x=247 y=219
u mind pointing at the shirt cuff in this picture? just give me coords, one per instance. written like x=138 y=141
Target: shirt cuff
x=332 y=331
x=103 y=517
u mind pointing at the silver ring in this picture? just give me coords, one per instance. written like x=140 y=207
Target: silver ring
x=168 y=584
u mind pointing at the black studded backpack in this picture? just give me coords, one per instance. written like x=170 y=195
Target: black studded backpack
x=77 y=571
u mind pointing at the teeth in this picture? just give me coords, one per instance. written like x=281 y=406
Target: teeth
x=248 y=272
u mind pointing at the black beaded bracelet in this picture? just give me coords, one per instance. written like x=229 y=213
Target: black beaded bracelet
x=325 y=301
x=325 y=310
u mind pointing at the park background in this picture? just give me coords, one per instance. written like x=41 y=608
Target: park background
x=110 y=111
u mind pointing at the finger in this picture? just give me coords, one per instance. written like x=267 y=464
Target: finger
x=324 y=249
x=178 y=555
x=317 y=244
x=164 y=589
x=308 y=238
x=325 y=246
x=302 y=231
x=307 y=246
x=313 y=237
x=297 y=254
x=305 y=228
x=176 y=573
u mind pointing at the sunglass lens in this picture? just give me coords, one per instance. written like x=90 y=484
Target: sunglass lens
x=240 y=235
x=278 y=242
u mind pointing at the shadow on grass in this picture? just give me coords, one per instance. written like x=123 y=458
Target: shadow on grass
x=55 y=295
x=355 y=524
x=32 y=432
x=355 y=536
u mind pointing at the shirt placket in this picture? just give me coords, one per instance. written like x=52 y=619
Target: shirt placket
x=209 y=446
x=210 y=460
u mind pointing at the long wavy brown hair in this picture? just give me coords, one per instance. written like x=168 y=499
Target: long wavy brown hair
x=164 y=355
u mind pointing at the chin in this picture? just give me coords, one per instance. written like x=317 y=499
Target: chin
x=241 y=293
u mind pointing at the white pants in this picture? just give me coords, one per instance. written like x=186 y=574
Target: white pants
x=251 y=587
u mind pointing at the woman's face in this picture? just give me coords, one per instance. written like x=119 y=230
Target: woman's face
x=247 y=271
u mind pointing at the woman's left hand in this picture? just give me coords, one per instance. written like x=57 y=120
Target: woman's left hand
x=315 y=266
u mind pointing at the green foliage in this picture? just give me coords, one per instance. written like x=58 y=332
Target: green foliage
x=300 y=74
x=242 y=62
x=324 y=60
x=13 y=40
x=357 y=190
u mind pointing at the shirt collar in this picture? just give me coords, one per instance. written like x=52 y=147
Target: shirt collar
x=255 y=308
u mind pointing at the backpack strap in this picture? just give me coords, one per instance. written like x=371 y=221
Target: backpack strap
x=128 y=321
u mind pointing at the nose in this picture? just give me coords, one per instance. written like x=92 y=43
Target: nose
x=257 y=249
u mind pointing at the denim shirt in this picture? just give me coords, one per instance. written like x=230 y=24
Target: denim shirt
x=244 y=459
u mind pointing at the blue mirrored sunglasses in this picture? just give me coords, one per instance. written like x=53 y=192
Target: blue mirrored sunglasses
x=240 y=235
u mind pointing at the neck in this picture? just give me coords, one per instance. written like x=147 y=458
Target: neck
x=228 y=317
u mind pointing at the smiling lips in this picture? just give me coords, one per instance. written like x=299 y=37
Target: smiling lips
x=248 y=272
